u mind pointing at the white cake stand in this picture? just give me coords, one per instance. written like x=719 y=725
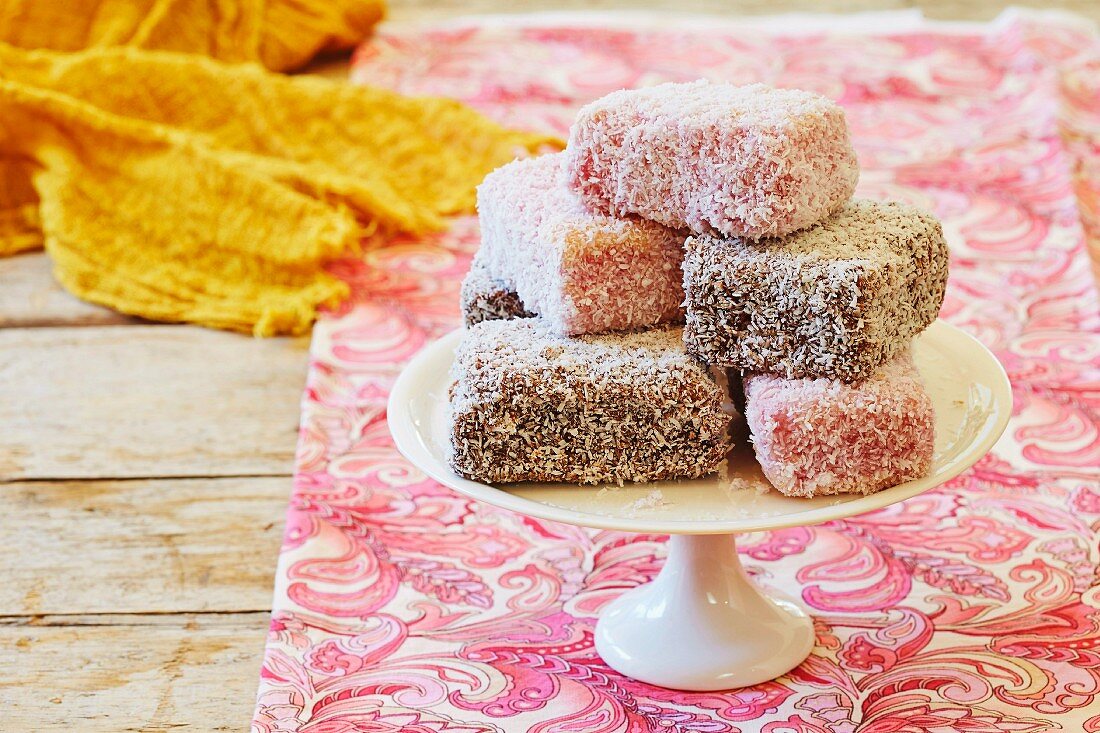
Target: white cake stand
x=702 y=624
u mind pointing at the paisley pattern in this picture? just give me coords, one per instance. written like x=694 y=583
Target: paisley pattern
x=401 y=606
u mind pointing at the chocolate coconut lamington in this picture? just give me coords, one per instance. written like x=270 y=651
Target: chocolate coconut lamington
x=528 y=405
x=486 y=297
x=836 y=300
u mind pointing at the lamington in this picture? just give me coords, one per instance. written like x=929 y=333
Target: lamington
x=715 y=158
x=821 y=436
x=528 y=404
x=485 y=297
x=582 y=272
x=836 y=300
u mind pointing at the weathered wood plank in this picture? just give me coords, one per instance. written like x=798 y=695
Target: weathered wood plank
x=30 y=296
x=416 y=10
x=988 y=9
x=140 y=546
x=144 y=673
x=147 y=401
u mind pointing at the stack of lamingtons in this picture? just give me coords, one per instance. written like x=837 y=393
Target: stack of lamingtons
x=686 y=231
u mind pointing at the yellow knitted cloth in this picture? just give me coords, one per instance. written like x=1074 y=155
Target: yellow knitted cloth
x=280 y=34
x=179 y=188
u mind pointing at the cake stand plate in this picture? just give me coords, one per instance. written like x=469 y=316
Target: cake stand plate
x=702 y=623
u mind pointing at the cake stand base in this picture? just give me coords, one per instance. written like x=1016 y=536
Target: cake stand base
x=703 y=624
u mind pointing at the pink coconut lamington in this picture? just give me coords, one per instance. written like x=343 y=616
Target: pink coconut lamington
x=749 y=161
x=821 y=436
x=582 y=272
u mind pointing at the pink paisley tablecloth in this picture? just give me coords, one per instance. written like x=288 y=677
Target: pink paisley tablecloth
x=401 y=606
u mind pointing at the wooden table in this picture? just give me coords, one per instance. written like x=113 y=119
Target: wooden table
x=145 y=470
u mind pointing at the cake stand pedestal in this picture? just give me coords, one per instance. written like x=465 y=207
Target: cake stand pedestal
x=702 y=624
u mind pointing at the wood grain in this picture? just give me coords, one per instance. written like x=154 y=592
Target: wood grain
x=147 y=401
x=131 y=673
x=176 y=545
x=415 y=10
x=30 y=296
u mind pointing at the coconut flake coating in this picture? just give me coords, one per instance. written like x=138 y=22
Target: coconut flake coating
x=485 y=297
x=581 y=272
x=715 y=158
x=821 y=436
x=836 y=300
x=529 y=405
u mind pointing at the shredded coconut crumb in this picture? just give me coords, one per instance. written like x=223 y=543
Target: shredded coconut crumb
x=653 y=500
